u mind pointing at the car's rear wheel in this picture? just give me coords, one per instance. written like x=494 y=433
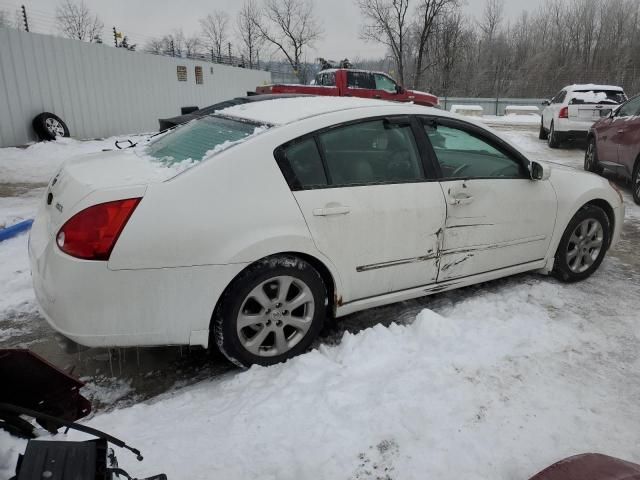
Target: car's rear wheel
x=591 y=158
x=553 y=140
x=583 y=245
x=272 y=312
x=635 y=182
x=543 y=135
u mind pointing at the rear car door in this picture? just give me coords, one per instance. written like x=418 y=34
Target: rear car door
x=497 y=217
x=369 y=206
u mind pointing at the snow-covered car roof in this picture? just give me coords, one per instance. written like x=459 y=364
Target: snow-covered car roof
x=591 y=86
x=289 y=110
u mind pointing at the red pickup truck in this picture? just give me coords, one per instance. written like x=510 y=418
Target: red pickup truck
x=355 y=83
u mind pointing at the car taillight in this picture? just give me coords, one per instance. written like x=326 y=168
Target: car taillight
x=92 y=233
x=564 y=112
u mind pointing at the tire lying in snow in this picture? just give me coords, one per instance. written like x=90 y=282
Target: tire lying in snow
x=49 y=126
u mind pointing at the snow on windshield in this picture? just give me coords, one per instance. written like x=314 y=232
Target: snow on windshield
x=199 y=139
x=596 y=97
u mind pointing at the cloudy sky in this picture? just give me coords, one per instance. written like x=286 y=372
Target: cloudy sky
x=143 y=19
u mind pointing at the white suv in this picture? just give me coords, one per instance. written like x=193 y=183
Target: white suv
x=572 y=112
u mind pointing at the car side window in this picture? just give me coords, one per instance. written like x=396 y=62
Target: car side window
x=630 y=109
x=306 y=163
x=560 y=98
x=463 y=154
x=384 y=83
x=370 y=153
x=360 y=80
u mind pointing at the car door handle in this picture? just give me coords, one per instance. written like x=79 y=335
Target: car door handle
x=622 y=130
x=331 y=211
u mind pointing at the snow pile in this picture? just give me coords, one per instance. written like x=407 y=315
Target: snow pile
x=512 y=120
x=495 y=386
x=467 y=110
x=521 y=110
x=15 y=277
x=38 y=162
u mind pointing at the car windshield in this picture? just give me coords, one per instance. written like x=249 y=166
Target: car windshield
x=200 y=138
x=595 y=97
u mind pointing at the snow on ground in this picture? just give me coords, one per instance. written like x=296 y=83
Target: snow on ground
x=493 y=381
x=38 y=162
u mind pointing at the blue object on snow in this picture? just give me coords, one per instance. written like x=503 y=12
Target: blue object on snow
x=14 y=230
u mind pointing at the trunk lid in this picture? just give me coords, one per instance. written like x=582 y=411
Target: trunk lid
x=79 y=177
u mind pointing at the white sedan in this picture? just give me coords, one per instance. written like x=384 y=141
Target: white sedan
x=246 y=229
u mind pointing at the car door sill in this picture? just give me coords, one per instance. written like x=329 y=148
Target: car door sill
x=425 y=290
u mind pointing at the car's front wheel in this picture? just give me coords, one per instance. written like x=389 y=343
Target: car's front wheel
x=272 y=312
x=591 y=158
x=583 y=245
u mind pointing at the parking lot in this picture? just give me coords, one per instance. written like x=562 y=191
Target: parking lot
x=470 y=365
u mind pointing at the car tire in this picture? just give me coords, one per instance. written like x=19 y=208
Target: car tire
x=583 y=245
x=591 y=163
x=275 y=327
x=553 y=138
x=543 y=135
x=49 y=126
x=635 y=182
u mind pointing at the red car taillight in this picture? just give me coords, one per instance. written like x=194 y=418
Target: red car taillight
x=564 y=112
x=92 y=233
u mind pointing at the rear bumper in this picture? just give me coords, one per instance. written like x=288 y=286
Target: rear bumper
x=573 y=128
x=94 y=306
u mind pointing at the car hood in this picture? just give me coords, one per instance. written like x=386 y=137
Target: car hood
x=422 y=97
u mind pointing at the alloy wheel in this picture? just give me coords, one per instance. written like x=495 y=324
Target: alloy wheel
x=54 y=127
x=585 y=244
x=275 y=316
x=588 y=158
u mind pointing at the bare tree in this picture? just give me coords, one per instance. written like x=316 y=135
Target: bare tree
x=291 y=26
x=155 y=46
x=492 y=17
x=386 y=22
x=74 y=20
x=214 y=30
x=192 y=46
x=428 y=13
x=248 y=31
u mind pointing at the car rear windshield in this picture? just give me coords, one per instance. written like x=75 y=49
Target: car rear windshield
x=200 y=138
x=597 y=97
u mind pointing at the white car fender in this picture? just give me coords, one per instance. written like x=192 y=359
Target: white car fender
x=595 y=189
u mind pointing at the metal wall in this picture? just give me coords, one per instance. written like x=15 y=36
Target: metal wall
x=101 y=91
x=491 y=106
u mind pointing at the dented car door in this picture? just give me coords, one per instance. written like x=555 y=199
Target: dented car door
x=497 y=217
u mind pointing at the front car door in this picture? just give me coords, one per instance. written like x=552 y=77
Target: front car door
x=369 y=206
x=627 y=133
x=497 y=217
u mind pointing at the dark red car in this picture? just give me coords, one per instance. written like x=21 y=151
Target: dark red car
x=614 y=144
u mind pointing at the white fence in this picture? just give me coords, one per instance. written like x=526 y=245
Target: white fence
x=99 y=90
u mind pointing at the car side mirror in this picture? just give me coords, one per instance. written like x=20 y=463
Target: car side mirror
x=546 y=103
x=399 y=89
x=540 y=171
